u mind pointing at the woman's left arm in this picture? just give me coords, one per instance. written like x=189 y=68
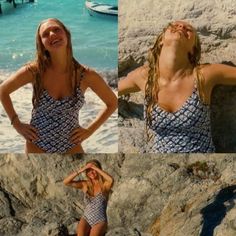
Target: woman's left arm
x=220 y=74
x=98 y=85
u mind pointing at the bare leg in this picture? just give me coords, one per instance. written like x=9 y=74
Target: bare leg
x=83 y=228
x=98 y=229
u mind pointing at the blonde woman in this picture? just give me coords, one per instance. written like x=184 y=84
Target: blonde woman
x=96 y=190
x=59 y=83
x=178 y=90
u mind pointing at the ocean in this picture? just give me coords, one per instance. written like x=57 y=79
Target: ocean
x=95 y=44
x=94 y=39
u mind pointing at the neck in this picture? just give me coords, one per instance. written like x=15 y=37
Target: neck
x=173 y=63
x=59 y=62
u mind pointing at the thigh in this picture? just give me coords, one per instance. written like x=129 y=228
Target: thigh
x=32 y=148
x=98 y=229
x=76 y=149
x=83 y=228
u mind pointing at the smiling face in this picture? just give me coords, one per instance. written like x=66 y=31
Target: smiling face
x=52 y=35
x=92 y=174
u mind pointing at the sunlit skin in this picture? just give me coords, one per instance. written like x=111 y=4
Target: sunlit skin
x=52 y=36
x=56 y=80
x=176 y=82
x=92 y=172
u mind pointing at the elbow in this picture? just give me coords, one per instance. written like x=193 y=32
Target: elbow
x=65 y=182
x=112 y=181
x=113 y=104
x=3 y=93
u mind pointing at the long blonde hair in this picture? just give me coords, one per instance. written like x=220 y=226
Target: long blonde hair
x=101 y=181
x=43 y=61
x=152 y=85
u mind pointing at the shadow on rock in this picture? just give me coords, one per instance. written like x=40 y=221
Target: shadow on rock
x=214 y=213
x=129 y=109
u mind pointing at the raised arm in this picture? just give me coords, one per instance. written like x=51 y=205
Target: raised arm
x=135 y=81
x=19 y=79
x=108 y=178
x=69 y=180
x=104 y=92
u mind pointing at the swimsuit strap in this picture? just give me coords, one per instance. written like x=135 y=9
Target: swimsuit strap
x=82 y=70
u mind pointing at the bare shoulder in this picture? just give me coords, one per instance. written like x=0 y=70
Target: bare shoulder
x=18 y=79
x=87 y=73
x=91 y=73
x=92 y=79
x=26 y=72
x=219 y=74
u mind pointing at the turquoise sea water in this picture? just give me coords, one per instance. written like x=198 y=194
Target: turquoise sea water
x=94 y=39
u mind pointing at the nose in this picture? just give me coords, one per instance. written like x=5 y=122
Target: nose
x=181 y=26
x=51 y=33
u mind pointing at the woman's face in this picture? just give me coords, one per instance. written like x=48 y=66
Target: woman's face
x=52 y=35
x=180 y=30
x=92 y=174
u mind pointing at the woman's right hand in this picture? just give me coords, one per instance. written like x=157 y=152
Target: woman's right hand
x=84 y=168
x=26 y=130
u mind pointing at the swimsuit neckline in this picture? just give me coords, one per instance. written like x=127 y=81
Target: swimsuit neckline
x=180 y=108
x=63 y=98
x=94 y=195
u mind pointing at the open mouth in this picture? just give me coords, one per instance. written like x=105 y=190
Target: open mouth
x=55 y=41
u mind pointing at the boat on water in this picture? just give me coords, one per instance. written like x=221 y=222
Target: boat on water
x=101 y=9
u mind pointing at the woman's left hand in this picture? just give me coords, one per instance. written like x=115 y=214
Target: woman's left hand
x=78 y=135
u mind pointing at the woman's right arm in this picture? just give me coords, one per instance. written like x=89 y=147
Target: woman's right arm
x=135 y=81
x=69 y=180
x=19 y=79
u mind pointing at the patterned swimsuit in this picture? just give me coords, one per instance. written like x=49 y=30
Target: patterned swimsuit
x=95 y=209
x=187 y=130
x=55 y=119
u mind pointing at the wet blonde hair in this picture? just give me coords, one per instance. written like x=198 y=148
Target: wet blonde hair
x=152 y=85
x=101 y=181
x=43 y=61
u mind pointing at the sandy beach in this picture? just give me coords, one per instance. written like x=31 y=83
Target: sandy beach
x=104 y=140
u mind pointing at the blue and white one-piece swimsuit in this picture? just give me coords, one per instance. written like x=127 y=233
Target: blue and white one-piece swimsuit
x=95 y=209
x=55 y=119
x=187 y=130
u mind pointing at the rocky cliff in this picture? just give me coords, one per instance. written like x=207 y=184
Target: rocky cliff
x=139 y=24
x=159 y=195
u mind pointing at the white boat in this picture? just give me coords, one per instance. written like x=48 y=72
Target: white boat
x=101 y=9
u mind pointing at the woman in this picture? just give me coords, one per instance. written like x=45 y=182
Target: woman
x=178 y=90
x=59 y=83
x=96 y=191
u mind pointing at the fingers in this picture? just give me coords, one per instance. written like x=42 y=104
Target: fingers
x=77 y=131
x=76 y=138
x=28 y=132
x=78 y=135
x=31 y=135
x=32 y=132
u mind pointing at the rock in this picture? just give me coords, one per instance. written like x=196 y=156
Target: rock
x=140 y=23
x=158 y=195
x=10 y=226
